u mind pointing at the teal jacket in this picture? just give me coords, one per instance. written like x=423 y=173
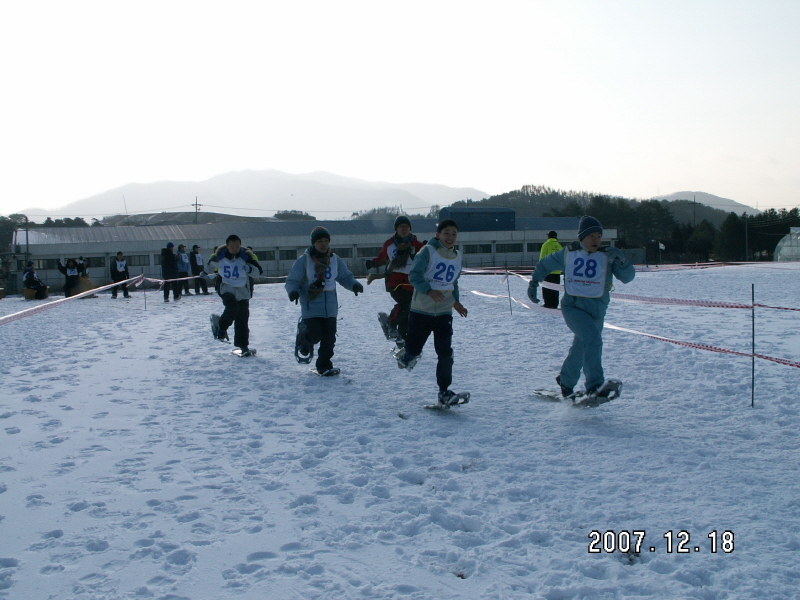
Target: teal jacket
x=621 y=269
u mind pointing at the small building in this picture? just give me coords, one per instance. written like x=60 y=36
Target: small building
x=788 y=249
x=276 y=243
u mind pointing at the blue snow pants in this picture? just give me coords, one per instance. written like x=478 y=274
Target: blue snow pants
x=587 y=349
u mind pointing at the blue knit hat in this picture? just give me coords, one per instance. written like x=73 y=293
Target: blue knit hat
x=401 y=220
x=319 y=232
x=170 y=245
x=588 y=225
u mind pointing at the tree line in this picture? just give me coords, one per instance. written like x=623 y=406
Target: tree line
x=687 y=231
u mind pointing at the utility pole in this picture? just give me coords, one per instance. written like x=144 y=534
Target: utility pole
x=746 y=241
x=196 y=208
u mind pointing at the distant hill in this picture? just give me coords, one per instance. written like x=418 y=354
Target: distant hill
x=261 y=194
x=710 y=200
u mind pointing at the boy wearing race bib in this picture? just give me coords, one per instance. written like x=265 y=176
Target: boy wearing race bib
x=434 y=276
x=312 y=284
x=588 y=273
x=235 y=264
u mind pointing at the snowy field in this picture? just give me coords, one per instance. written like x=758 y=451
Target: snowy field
x=140 y=459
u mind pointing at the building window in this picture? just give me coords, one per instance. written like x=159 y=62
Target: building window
x=157 y=260
x=265 y=255
x=94 y=262
x=477 y=248
x=509 y=248
x=534 y=246
x=288 y=254
x=368 y=252
x=40 y=264
x=138 y=260
x=343 y=252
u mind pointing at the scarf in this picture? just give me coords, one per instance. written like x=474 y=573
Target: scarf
x=321 y=263
x=404 y=250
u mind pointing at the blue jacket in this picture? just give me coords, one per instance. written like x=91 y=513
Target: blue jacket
x=327 y=303
x=596 y=307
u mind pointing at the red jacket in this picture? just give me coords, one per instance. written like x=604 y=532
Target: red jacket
x=394 y=279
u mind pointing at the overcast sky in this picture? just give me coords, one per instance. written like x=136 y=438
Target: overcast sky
x=634 y=98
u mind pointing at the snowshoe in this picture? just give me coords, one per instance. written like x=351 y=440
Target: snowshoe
x=303 y=351
x=383 y=319
x=332 y=372
x=448 y=399
x=566 y=392
x=244 y=352
x=220 y=335
x=406 y=363
x=611 y=388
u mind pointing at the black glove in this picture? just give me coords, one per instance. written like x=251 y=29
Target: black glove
x=294 y=297
x=358 y=288
x=368 y=264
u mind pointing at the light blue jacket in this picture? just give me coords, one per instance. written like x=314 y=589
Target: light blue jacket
x=327 y=303
x=596 y=307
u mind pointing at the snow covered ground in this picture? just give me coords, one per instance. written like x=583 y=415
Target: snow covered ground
x=140 y=459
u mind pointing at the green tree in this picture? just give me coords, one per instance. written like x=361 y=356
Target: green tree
x=294 y=215
x=730 y=243
x=701 y=242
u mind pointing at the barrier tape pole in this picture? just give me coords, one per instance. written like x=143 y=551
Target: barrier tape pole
x=753 y=346
x=55 y=303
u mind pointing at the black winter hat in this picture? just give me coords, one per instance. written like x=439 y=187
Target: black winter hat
x=588 y=225
x=401 y=220
x=319 y=233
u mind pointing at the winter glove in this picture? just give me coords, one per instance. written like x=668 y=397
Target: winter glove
x=368 y=264
x=358 y=288
x=614 y=255
x=294 y=297
x=532 y=287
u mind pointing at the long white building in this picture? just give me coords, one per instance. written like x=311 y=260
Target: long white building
x=277 y=244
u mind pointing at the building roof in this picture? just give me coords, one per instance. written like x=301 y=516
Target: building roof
x=245 y=230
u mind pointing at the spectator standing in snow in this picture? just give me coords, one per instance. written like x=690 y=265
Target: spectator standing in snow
x=549 y=296
x=119 y=272
x=198 y=263
x=169 y=272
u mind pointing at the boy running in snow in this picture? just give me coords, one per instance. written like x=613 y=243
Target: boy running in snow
x=588 y=273
x=399 y=251
x=235 y=265
x=312 y=284
x=434 y=276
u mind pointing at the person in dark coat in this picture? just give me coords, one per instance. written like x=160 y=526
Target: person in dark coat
x=169 y=271
x=73 y=271
x=198 y=269
x=31 y=281
x=119 y=272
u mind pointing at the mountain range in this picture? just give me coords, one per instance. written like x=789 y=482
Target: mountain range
x=711 y=200
x=262 y=193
